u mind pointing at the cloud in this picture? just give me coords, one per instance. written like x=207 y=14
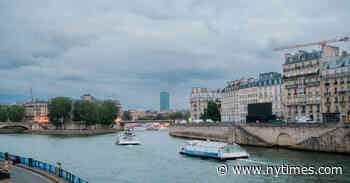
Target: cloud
x=132 y=50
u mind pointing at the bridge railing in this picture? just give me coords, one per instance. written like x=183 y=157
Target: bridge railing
x=70 y=177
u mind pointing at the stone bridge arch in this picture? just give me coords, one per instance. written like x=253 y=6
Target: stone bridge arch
x=26 y=126
x=284 y=139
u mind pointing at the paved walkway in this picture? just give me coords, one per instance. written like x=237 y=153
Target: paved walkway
x=20 y=175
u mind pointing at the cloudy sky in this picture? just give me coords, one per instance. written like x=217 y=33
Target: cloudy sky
x=132 y=50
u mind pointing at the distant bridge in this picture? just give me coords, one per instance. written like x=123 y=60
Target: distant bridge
x=122 y=123
x=26 y=125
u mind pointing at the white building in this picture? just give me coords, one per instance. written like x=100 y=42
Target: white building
x=239 y=93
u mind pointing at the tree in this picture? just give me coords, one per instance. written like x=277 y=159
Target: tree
x=86 y=112
x=16 y=113
x=59 y=110
x=3 y=114
x=108 y=112
x=213 y=112
x=127 y=115
x=187 y=115
x=177 y=116
x=204 y=115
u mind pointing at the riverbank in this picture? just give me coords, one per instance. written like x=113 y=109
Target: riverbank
x=333 y=138
x=74 y=132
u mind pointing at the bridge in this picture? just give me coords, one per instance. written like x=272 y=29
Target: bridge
x=122 y=123
x=25 y=125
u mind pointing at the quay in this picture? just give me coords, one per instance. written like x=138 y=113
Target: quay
x=332 y=137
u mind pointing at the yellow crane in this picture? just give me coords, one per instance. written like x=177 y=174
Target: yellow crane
x=321 y=43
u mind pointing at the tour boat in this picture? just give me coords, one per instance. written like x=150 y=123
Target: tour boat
x=127 y=138
x=217 y=150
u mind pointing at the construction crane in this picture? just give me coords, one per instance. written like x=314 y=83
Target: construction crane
x=321 y=43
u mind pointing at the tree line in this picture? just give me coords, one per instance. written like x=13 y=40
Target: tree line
x=168 y=116
x=63 y=109
x=13 y=113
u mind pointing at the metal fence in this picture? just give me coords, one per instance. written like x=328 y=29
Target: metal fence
x=57 y=171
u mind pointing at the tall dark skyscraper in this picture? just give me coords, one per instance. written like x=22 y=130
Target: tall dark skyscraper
x=164 y=101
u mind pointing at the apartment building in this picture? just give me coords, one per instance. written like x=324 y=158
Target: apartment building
x=199 y=100
x=269 y=90
x=230 y=102
x=301 y=83
x=36 y=110
x=247 y=94
x=239 y=93
x=335 y=85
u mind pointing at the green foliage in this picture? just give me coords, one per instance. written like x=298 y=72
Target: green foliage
x=108 y=112
x=211 y=112
x=92 y=112
x=126 y=115
x=59 y=110
x=176 y=116
x=187 y=115
x=204 y=115
x=168 y=116
x=3 y=114
x=16 y=113
x=86 y=111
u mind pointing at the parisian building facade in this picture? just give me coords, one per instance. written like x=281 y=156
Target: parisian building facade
x=239 y=93
x=302 y=84
x=314 y=86
x=335 y=85
x=36 y=110
x=199 y=100
x=269 y=89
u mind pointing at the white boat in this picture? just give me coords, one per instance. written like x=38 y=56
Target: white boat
x=217 y=150
x=128 y=138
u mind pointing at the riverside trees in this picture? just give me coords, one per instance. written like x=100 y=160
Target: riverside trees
x=59 y=110
x=62 y=109
x=13 y=113
x=95 y=112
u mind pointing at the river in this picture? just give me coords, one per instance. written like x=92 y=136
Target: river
x=99 y=160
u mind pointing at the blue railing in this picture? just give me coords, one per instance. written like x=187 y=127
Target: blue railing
x=44 y=166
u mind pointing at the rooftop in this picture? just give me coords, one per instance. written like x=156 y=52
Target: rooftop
x=302 y=56
x=336 y=61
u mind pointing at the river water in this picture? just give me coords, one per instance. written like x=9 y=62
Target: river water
x=99 y=160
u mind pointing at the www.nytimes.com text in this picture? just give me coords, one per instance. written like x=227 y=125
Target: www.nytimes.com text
x=279 y=170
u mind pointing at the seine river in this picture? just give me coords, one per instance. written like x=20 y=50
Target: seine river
x=99 y=160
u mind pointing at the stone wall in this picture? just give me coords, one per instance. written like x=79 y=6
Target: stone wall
x=315 y=137
x=218 y=133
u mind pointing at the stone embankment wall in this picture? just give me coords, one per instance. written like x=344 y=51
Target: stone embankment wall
x=217 y=133
x=314 y=137
x=69 y=128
